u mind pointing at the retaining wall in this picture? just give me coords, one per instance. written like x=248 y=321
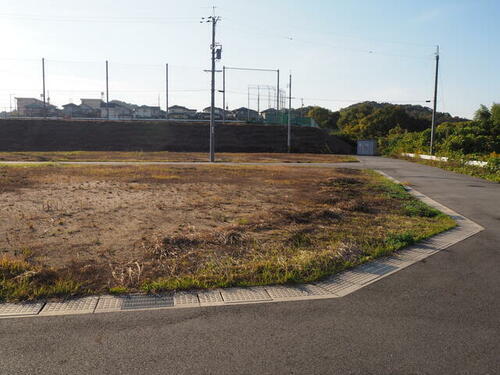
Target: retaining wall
x=66 y=135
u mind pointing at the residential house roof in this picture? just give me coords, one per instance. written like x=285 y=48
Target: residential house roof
x=181 y=107
x=243 y=109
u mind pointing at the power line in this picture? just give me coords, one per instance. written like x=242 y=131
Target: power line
x=106 y=19
x=290 y=38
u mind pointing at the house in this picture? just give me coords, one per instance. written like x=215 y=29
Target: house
x=115 y=111
x=93 y=103
x=82 y=111
x=246 y=114
x=145 y=111
x=269 y=114
x=31 y=107
x=180 y=112
x=219 y=113
x=206 y=115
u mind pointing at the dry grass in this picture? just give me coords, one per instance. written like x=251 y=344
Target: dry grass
x=165 y=156
x=94 y=229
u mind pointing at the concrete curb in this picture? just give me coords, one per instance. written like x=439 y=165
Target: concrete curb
x=336 y=286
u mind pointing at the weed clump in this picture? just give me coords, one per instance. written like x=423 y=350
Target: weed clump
x=420 y=209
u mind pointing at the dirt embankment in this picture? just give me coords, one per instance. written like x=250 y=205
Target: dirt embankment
x=60 y=135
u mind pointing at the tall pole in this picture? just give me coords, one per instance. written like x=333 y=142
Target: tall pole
x=223 y=94
x=248 y=107
x=278 y=95
x=166 y=91
x=212 y=106
x=107 y=89
x=258 y=100
x=289 y=138
x=433 y=127
x=43 y=88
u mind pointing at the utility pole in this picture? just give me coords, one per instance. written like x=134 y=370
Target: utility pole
x=43 y=88
x=107 y=89
x=258 y=99
x=166 y=91
x=248 y=106
x=289 y=138
x=224 y=94
x=433 y=127
x=278 y=96
x=215 y=55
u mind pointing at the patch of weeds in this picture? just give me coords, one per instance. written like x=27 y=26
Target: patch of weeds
x=19 y=282
x=301 y=239
x=243 y=221
x=170 y=284
x=308 y=217
x=230 y=236
x=394 y=191
x=118 y=290
x=399 y=241
x=418 y=208
x=353 y=205
x=343 y=182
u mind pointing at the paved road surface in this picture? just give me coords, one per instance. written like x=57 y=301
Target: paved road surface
x=440 y=316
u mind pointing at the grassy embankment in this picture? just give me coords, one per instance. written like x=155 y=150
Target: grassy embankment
x=487 y=173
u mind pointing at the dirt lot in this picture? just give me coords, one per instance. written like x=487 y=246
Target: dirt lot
x=171 y=156
x=86 y=229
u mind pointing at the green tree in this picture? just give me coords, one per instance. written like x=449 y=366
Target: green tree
x=495 y=113
x=380 y=122
x=319 y=114
x=324 y=117
x=483 y=114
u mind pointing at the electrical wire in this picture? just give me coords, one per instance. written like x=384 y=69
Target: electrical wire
x=107 y=19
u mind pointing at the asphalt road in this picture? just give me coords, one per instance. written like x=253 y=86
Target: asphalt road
x=440 y=316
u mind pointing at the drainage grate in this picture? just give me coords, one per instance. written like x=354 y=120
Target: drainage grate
x=282 y=291
x=245 y=295
x=20 y=309
x=74 y=306
x=137 y=302
x=186 y=298
x=109 y=304
x=337 y=285
x=210 y=297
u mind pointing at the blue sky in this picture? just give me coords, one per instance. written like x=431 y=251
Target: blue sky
x=339 y=52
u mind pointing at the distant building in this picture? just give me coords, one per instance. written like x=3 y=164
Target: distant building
x=206 y=116
x=219 y=113
x=180 y=112
x=146 y=112
x=93 y=103
x=115 y=111
x=31 y=107
x=269 y=114
x=246 y=114
x=72 y=110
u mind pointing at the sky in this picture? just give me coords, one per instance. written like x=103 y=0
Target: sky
x=339 y=52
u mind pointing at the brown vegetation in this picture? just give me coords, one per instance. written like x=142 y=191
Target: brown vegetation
x=165 y=156
x=87 y=229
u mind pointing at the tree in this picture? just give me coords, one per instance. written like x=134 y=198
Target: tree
x=319 y=114
x=495 y=113
x=483 y=114
x=351 y=116
x=324 y=117
x=381 y=121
